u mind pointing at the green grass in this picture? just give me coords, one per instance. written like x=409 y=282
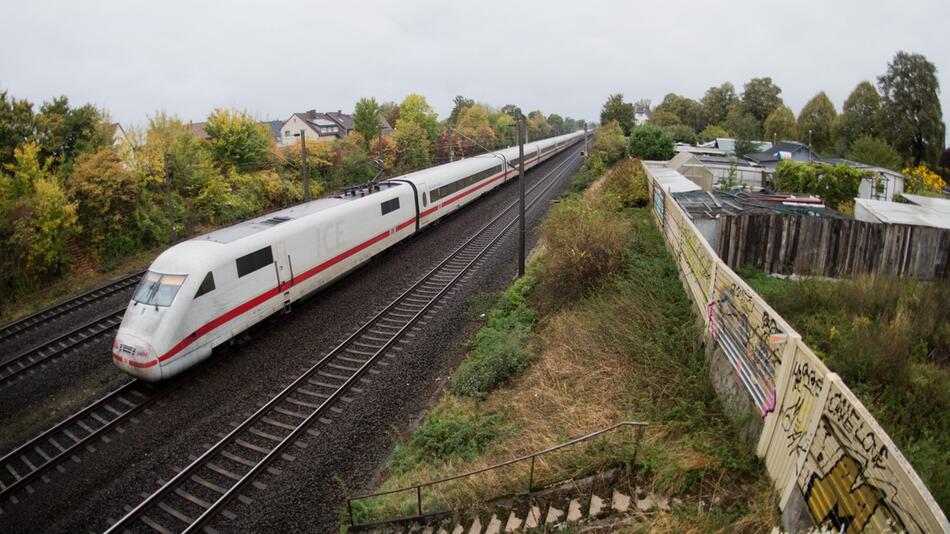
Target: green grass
x=889 y=339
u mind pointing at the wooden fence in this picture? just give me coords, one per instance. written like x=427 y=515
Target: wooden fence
x=825 y=453
x=797 y=244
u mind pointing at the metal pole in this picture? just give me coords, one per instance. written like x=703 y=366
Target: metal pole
x=303 y=166
x=168 y=192
x=419 y=498
x=586 y=142
x=531 y=475
x=451 y=149
x=521 y=231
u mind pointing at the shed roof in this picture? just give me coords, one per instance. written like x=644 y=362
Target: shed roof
x=926 y=214
x=670 y=180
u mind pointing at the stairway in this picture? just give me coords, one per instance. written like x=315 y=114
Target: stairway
x=589 y=502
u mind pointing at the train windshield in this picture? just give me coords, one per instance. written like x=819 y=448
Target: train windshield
x=157 y=289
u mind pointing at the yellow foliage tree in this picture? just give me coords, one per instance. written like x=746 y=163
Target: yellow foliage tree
x=921 y=179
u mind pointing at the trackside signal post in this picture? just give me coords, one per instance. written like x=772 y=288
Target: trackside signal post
x=521 y=231
x=303 y=166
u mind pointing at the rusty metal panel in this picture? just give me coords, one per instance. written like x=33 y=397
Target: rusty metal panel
x=853 y=478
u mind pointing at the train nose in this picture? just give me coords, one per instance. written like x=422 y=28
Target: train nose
x=136 y=357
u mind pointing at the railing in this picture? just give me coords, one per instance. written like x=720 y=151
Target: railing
x=639 y=426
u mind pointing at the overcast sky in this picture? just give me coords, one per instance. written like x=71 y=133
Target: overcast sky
x=272 y=59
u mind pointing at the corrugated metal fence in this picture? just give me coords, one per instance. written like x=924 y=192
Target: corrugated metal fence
x=817 y=437
x=822 y=246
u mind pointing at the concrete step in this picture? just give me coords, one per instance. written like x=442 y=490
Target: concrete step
x=494 y=525
x=554 y=516
x=476 y=527
x=620 y=502
x=574 y=512
x=514 y=522
x=596 y=506
x=534 y=518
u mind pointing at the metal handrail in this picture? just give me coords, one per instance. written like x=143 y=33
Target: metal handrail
x=639 y=425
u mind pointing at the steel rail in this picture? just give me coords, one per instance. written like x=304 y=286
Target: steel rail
x=35 y=320
x=441 y=279
x=62 y=344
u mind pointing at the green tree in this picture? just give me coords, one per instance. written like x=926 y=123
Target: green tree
x=861 y=114
x=688 y=111
x=712 y=132
x=16 y=125
x=390 y=110
x=745 y=128
x=237 y=140
x=505 y=129
x=512 y=111
x=615 y=109
x=664 y=118
x=64 y=133
x=557 y=124
x=460 y=104
x=412 y=145
x=874 y=151
x=683 y=134
x=780 y=125
x=911 y=108
x=366 y=118
x=416 y=109
x=651 y=142
x=716 y=103
x=760 y=97
x=537 y=126
x=816 y=123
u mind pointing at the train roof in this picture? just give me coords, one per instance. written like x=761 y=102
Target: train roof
x=270 y=220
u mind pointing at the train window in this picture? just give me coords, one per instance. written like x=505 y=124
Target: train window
x=390 y=205
x=207 y=285
x=254 y=261
x=157 y=289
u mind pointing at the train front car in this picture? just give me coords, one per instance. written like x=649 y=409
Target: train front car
x=156 y=339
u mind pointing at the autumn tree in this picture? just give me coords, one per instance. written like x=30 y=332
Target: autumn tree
x=910 y=104
x=712 y=132
x=615 y=109
x=664 y=118
x=460 y=104
x=474 y=123
x=390 y=110
x=366 y=119
x=537 y=126
x=609 y=140
x=816 y=122
x=716 y=103
x=780 y=125
x=107 y=193
x=237 y=140
x=414 y=108
x=861 y=115
x=412 y=145
x=505 y=129
x=760 y=97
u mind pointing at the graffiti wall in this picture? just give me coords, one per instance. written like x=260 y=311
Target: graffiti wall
x=852 y=477
x=819 y=443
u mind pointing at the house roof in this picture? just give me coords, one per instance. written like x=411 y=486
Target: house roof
x=713 y=204
x=773 y=151
x=274 y=127
x=728 y=144
x=670 y=180
x=198 y=130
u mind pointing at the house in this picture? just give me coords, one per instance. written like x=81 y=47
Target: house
x=336 y=125
x=641 y=112
x=720 y=169
x=793 y=150
x=879 y=184
x=274 y=128
x=197 y=129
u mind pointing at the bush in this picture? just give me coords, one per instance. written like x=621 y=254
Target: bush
x=609 y=143
x=874 y=151
x=447 y=436
x=651 y=142
x=497 y=352
x=683 y=134
x=712 y=132
x=585 y=245
x=626 y=185
x=837 y=185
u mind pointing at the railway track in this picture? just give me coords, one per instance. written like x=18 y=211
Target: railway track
x=30 y=322
x=30 y=462
x=45 y=352
x=201 y=491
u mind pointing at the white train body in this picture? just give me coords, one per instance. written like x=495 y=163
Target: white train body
x=200 y=293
